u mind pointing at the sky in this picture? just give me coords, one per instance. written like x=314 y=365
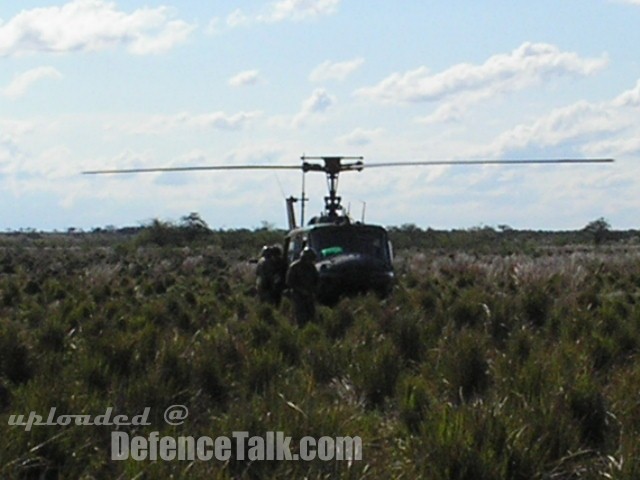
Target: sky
x=100 y=84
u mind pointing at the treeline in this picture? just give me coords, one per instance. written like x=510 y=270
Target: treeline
x=505 y=239
x=192 y=230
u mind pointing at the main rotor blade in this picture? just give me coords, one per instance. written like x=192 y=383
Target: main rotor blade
x=357 y=166
x=194 y=169
x=489 y=162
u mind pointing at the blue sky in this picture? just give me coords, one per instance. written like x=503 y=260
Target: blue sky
x=90 y=84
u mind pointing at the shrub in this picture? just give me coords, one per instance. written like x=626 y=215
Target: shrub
x=407 y=336
x=588 y=408
x=465 y=366
x=469 y=309
x=536 y=305
x=15 y=360
x=377 y=372
x=414 y=402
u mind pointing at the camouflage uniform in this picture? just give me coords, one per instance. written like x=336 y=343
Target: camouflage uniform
x=270 y=276
x=279 y=274
x=302 y=280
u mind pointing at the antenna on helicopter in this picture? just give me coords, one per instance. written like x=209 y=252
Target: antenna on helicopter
x=303 y=199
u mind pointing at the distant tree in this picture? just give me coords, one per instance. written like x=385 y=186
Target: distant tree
x=410 y=228
x=266 y=226
x=160 y=232
x=193 y=221
x=599 y=229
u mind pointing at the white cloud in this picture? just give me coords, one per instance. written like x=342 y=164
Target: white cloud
x=335 y=70
x=360 y=137
x=525 y=66
x=319 y=102
x=16 y=161
x=21 y=83
x=6 y=152
x=242 y=79
x=256 y=154
x=606 y=128
x=165 y=123
x=299 y=10
x=237 y=18
x=171 y=34
x=560 y=126
x=91 y=25
x=616 y=147
x=312 y=107
x=628 y=98
x=16 y=128
x=453 y=110
x=12 y=151
x=280 y=11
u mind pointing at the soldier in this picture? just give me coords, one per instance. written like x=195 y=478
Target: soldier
x=279 y=274
x=270 y=275
x=302 y=280
x=263 y=278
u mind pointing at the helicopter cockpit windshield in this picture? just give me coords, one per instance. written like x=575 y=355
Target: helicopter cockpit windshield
x=370 y=242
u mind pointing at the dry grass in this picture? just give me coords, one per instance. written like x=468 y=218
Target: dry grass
x=480 y=366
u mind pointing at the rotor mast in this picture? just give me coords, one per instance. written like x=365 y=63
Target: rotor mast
x=332 y=167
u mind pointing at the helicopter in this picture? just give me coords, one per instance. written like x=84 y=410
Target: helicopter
x=352 y=257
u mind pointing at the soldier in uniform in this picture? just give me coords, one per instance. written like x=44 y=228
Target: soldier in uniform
x=302 y=280
x=263 y=274
x=270 y=275
x=279 y=274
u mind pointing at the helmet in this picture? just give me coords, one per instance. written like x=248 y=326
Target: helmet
x=308 y=254
x=265 y=252
x=276 y=251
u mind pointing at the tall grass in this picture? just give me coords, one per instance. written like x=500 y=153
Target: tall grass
x=479 y=366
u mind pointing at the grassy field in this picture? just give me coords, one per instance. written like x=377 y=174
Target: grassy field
x=509 y=359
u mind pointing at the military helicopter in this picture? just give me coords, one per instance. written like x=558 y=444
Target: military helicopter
x=352 y=256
